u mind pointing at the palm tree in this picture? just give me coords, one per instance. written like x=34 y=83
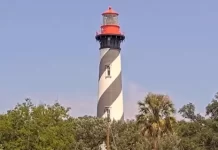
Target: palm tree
x=156 y=117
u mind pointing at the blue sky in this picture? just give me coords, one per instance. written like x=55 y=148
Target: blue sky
x=48 y=51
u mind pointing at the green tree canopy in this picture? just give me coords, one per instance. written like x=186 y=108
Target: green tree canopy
x=50 y=127
x=40 y=127
x=156 y=117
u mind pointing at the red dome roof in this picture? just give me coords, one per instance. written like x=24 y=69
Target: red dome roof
x=110 y=11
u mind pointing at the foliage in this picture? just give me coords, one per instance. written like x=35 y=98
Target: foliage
x=199 y=133
x=36 y=127
x=156 y=117
x=50 y=127
x=126 y=135
x=212 y=108
x=90 y=132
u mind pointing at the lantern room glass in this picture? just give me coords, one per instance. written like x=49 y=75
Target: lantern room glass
x=110 y=19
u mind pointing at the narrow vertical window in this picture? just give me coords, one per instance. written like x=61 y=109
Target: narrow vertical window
x=108 y=71
x=108 y=41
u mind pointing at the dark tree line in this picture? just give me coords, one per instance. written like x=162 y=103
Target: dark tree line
x=49 y=127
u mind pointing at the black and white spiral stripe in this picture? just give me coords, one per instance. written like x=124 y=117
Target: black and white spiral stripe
x=110 y=88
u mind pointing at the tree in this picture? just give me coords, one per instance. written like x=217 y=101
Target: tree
x=199 y=133
x=188 y=112
x=189 y=133
x=90 y=132
x=40 y=127
x=156 y=117
x=49 y=127
x=126 y=135
x=212 y=108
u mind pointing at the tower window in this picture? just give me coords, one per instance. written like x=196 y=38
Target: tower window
x=108 y=71
x=108 y=40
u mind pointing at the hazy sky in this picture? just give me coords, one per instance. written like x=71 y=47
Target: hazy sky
x=48 y=51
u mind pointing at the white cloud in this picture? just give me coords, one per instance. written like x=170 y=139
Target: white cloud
x=132 y=95
x=80 y=104
x=86 y=104
x=179 y=117
x=135 y=92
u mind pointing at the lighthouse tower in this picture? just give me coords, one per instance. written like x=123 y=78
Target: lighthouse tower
x=110 y=93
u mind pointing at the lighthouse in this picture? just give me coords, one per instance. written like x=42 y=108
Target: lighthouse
x=110 y=93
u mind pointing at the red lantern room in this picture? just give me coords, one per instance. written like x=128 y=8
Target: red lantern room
x=110 y=24
x=110 y=34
